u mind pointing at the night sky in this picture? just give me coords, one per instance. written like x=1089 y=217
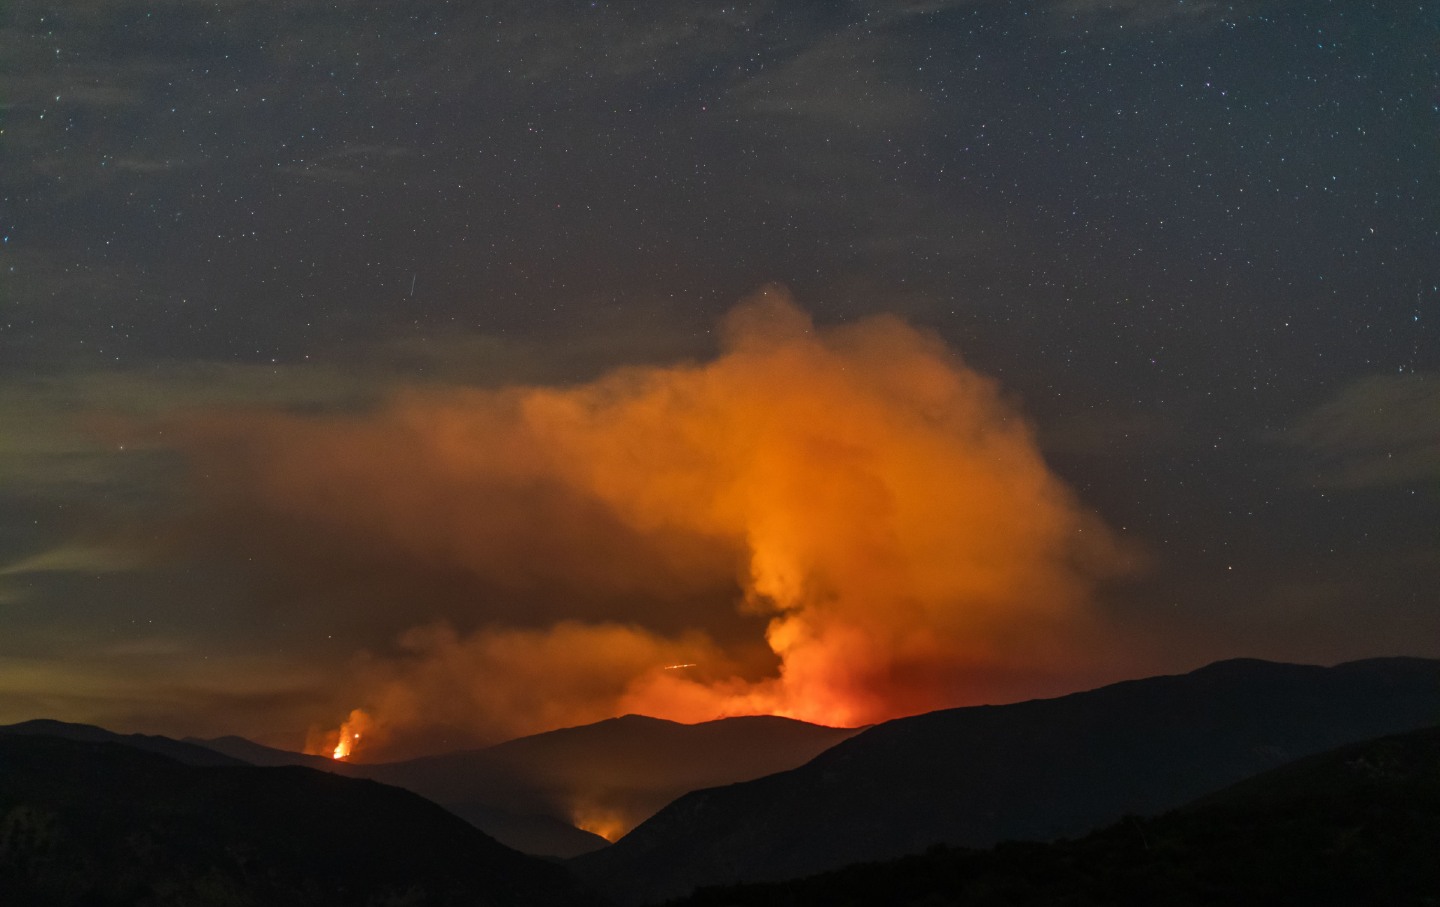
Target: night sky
x=387 y=355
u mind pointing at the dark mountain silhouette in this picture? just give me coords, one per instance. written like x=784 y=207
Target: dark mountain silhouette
x=108 y=824
x=253 y=753
x=1034 y=770
x=612 y=774
x=186 y=752
x=527 y=831
x=530 y=793
x=1358 y=825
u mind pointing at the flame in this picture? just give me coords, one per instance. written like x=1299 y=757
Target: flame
x=346 y=744
x=341 y=743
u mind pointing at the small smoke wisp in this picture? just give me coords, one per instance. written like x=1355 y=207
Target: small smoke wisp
x=879 y=512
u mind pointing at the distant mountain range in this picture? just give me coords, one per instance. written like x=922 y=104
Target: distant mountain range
x=1033 y=770
x=102 y=824
x=531 y=793
x=1357 y=825
x=104 y=818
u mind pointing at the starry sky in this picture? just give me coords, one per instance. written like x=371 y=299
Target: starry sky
x=252 y=250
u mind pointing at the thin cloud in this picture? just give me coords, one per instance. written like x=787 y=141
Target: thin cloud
x=75 y=558
x=1383 y=430
x=845 y=79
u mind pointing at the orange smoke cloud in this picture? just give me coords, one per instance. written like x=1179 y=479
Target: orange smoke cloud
x=513 y=681
x=878 y=512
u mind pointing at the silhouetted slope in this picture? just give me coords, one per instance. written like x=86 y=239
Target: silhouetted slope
x=107 y=824
x=1358 y=825
x=1032 y=770
x=189 y=753
x=258 y=754
x=618 y=771
x=528 y=832
x=529 y=792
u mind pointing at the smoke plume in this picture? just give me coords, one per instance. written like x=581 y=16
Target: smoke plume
x=841 y=525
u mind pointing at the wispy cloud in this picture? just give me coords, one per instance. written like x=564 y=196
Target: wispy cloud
x=845 y=79
x=1144 y=14
x=74 y=557
x=1378 y=431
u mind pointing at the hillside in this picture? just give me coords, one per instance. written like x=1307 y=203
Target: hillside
x=252 y=753
x=532 y=792
x=106 y=824
x=609 y=776
x=1358 y=825
x=1034 y=770
x=190 y=753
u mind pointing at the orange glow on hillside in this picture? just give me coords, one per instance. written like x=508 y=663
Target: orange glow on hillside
x=608 y=824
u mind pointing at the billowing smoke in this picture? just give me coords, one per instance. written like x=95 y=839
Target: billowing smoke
x=842 y=525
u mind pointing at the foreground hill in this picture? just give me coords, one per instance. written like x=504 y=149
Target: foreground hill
x=1358 y=825
x=532 y=792
x=1034 y=770
x=108 y=824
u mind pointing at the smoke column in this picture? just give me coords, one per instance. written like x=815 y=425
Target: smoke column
x=879 y=511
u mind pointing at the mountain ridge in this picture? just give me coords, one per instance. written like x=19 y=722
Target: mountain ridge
x=169 y=833
x=610 y=774
x=1355 y=825
x=532 y=792
x=188 y=752
x=1038 y=769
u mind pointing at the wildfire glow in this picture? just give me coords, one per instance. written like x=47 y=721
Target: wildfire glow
x=881 y=511
x=340 y=744
x=608 y=824
x=342 y=749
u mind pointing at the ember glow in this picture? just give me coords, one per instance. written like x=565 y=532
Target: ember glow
x=880 y=510
x=607 y=823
